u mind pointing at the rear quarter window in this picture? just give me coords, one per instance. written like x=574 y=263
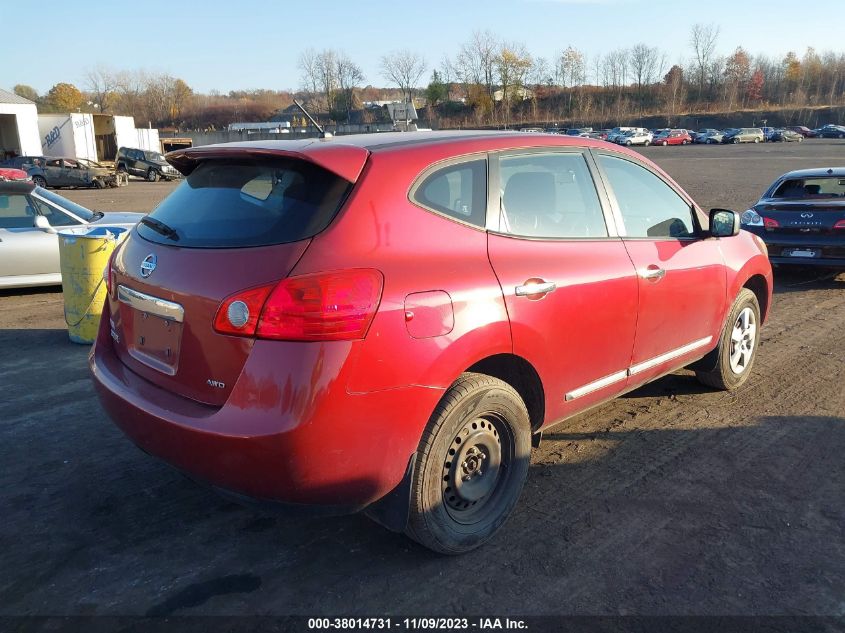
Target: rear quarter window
x=226 y=204
x=458 y=190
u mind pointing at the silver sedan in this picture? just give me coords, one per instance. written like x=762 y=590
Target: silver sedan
x=30 y=218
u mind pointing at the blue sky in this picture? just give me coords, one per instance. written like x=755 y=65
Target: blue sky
x=255 y=44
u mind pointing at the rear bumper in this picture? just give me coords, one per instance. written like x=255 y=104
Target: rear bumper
x=808 y=261
x=285 y=435
x=831 y=248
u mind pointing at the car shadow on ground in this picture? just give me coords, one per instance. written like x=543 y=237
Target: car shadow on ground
x=803 y=278
x=676 y=518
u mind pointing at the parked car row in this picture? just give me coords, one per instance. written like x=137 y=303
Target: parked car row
x=678 y=136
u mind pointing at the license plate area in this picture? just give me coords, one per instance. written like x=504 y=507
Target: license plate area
x=152 y=328
x=802 y=252
x=155 y=341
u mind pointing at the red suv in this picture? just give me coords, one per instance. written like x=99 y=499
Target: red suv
x=387 y=322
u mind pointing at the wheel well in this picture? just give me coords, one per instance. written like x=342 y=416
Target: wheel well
x=521 y=375
x=757 y=284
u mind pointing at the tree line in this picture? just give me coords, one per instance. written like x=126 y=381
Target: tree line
x=487 y=81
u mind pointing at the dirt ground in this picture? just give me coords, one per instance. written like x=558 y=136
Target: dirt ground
x=672 y=500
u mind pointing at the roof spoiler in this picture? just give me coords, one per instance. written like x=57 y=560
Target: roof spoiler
x=346 y=161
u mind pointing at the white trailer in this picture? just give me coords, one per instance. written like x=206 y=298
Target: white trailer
x=96 y=137
x=18 y=126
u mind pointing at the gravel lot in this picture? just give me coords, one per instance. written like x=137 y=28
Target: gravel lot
x=672 y=500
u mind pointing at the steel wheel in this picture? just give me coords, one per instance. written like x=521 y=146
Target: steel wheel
x=743 y=340
x=470 y=466
x=472 y=469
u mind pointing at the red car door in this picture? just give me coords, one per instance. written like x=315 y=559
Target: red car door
x=568 y=283
x=681 y=274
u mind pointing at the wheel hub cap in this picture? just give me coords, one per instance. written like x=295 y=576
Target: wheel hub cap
x=743 y=340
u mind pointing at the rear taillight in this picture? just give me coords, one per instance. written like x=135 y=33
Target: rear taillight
x=108 y=271
x=330 y=306
x=840 y=224
x=769 y=223
x=239 y=313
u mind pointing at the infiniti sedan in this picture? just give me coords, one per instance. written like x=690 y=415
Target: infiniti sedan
x=30 y=218
x=801 y=217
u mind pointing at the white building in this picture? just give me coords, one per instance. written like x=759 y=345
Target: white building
x=18 y=126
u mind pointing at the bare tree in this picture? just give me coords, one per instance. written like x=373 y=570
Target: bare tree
x=570 y=67
x=405 y=68
x=327 y=75
x=101 y=82
x=616 y=65
x=349 y=77
x=476 y=61
x=310 y=77
x=644 y=61
x=703 y=41
x=513 y=64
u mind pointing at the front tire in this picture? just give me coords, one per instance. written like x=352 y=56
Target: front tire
x=737 y=345
x=471 y=465
x=152 y=175
x=40 y=181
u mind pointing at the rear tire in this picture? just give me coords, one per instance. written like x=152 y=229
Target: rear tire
x=152 y=175
x=471 y=465
x=737 y=345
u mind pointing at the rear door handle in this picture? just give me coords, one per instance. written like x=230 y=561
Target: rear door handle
x=535 y=288
x=652 y=273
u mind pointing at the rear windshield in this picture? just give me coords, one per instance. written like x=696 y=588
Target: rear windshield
x=226 y=204
x=811 y=188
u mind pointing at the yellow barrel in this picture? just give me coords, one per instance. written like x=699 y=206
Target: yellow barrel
x=83 y=256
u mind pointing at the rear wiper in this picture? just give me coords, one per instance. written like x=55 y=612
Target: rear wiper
x=160 y=227
x=98 y=215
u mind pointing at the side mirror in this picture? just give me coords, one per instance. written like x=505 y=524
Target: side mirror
x=44 y=224
x=724 y=223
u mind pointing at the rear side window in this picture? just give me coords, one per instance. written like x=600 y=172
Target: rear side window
x=458 y=190
x=226 y=204
x=549 y=196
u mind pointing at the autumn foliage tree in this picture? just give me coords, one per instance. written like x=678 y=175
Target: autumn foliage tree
x=65 y=97
x=754 y=92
